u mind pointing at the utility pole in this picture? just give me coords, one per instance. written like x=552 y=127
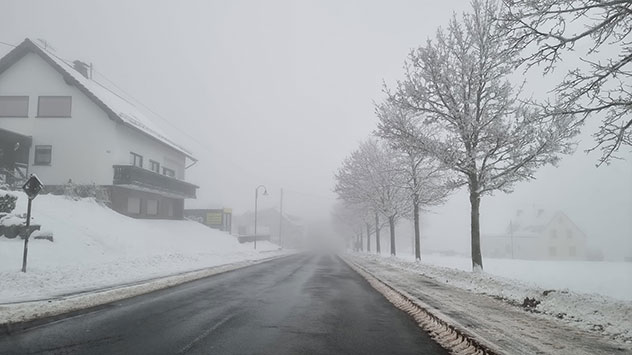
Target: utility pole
x=377 y=233
x=511 y=235
x=281 y=220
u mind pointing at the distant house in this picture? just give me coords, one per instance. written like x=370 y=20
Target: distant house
x=57 y=122
x=537 y=234
x=268 y=224
x=221 y=218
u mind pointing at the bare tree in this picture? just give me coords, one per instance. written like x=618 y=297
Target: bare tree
x=461 y=110
x=349 y=220
x=600 y=31
x=370 y=177
x=424 y=178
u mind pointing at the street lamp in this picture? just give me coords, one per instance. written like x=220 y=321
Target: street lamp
x=265 y=193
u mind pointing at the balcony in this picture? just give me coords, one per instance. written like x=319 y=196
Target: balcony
x=147 y=180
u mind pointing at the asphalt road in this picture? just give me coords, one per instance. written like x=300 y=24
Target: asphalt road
x=304 y=304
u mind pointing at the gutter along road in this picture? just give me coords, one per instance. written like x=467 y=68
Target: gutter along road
x=303 y=304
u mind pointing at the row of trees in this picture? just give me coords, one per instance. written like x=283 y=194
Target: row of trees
x=457 y=120
x=381 y=180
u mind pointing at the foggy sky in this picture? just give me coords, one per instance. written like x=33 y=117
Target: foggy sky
x=279 y=92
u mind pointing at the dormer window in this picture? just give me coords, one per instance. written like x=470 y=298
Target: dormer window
x=54 y=106
x=14 y=106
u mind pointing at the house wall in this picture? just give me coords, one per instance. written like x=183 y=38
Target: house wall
x=501 y=246
x=82 y=146
x=85 y=146
x=130 y=140
x=168 y=208
x=562 y=240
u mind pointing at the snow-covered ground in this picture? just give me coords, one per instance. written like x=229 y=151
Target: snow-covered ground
x=590 y=296
x=95 y=247
x=611 y=279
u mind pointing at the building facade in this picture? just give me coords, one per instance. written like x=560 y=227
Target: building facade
x=537 y=235
x=60 y=124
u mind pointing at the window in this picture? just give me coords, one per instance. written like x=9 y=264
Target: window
x=136 y=159
x=569 y=234
x=43 y=154
x=54 y=106
x=168 y=172
x=572 y=251
x=133 y=205
x=552 y=251
x=152 y=207
x=154 y=166
x=14 y=106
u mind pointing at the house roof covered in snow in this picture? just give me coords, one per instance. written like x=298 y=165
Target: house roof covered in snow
x=531 y=221
x=116 y=107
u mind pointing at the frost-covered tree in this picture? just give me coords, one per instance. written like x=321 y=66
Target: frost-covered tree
x=423 y=176
x=370 y=177
x=600 y=34
x=462 y=110
x=348 y=220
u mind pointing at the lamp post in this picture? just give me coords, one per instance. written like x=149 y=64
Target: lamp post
x=265 y=193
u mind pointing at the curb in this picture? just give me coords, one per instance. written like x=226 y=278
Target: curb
x=88 y=301
x=448 y=333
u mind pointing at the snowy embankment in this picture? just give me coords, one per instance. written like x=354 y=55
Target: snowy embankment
x=95 y=247
x=590 y=296
x=609 y=279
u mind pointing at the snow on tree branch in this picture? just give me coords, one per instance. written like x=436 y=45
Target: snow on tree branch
x=457 y=105
x=602 y=83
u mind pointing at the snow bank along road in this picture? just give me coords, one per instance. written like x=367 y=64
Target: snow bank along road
x=301 y=304
x=503 y=328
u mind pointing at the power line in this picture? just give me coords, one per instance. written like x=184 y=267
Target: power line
x=156 y=114
x=173 y=125
x=176 y=127
x=8 y=44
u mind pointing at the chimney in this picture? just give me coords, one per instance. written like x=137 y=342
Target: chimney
x=82 y=68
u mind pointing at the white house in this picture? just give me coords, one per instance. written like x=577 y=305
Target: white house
x=537 y=234
x=58 y=123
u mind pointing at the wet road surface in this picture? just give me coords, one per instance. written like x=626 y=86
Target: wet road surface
x=303 y=304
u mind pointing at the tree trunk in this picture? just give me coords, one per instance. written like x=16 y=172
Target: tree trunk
x=377 y=233
x=391 y=224
x=361 y=240
x=417 y=234
x=475 y=202
x=368 y=237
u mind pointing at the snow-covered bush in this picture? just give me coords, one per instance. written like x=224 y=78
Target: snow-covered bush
x=75 y=192
x=7 y=202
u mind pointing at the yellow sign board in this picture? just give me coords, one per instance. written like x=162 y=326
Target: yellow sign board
x=214 y=218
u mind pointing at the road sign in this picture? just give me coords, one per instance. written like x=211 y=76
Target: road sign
x=32 y=187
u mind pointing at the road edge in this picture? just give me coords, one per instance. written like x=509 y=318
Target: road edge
x=449 y=333
x=45 y=311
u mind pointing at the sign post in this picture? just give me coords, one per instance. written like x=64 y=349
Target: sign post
x=32 y=188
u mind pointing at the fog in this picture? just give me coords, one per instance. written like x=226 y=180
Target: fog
x=279 y=92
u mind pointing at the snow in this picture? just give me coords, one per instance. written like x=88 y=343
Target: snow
x=95 y=247
x=123 y=108
x=574 y=293
x=11 y=220
x=609 y=279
